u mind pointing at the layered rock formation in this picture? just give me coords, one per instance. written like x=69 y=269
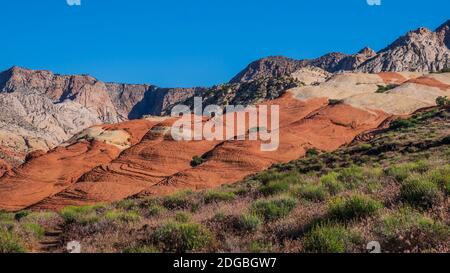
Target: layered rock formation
x=113 y=162
x=102 y=156
x=41 y=110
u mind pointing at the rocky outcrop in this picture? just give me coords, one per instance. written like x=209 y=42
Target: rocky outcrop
x=444 y=33
x=242 y=93
x=40 y=110
x=271 y=67
x=421 y=50
x=33 y=122
x=140 y=157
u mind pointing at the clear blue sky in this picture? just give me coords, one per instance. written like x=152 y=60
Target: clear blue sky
x=195 y=42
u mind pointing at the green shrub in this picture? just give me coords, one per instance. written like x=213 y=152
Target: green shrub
x=179 y=200
x=352 y=177
x=155 y=210
x=384 y=89
x=37 y=230
x=6 y=217
x=41 y=216
x=329 y=238
x=441 y=177
x=401 y=123
x=82 y=215
x=127 y=204
x=122 y=216
x=364 y=147
x=219 y=217
x=141 y=250
x=313 y=192
x=406 y=220
x=334 y=102
x=274 y=187
x=442 y=101
x=259 y=247
x=218 y=196
x=183 y=217
x=248 y=222
x=197 y=161
x=312 y=152
x=419 y=191
x=273 y=209
x=331 y=182
x=401 y=172
x=291 y=177
x=353 y=207
x=10 y=243
x=182 y=237
x=21 y=214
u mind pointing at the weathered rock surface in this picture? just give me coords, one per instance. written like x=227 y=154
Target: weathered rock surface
x=140 y=157
x=444 y=33
x=46 y=174
x=421 y=50
x=40 y=110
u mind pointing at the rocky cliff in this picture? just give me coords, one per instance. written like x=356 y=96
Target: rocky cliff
x=421 y=50
x=40 y=109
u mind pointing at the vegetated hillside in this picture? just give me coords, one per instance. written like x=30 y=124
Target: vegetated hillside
x=242 y=93
x=393 y=188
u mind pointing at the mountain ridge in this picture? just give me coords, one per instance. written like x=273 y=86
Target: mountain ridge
x=42 y=109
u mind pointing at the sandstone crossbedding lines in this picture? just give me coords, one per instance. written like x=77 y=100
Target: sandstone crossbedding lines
x=41 y=109
x=152 y=163
x=84 y=141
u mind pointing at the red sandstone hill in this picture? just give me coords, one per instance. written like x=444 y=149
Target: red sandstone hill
x=140 y=157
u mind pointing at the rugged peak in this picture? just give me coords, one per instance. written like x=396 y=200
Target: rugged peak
x=330 y=61
x=367 y=52
x=420 y=50
x=444 y=33
x=273 y=66
x=421 y=30
x=445 y=25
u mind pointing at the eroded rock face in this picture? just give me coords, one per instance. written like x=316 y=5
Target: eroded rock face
x=444 y=33
x=46 y=174
x=421 y=50
x=33 y=122
x=271 y=67
x=40 y=110
x=111 y=162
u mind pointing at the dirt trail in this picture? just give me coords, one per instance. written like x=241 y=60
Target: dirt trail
x=52 y=241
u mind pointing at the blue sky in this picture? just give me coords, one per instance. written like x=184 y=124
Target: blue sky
x=197 y=42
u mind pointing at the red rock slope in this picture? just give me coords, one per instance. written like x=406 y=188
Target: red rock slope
x=113 y=162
